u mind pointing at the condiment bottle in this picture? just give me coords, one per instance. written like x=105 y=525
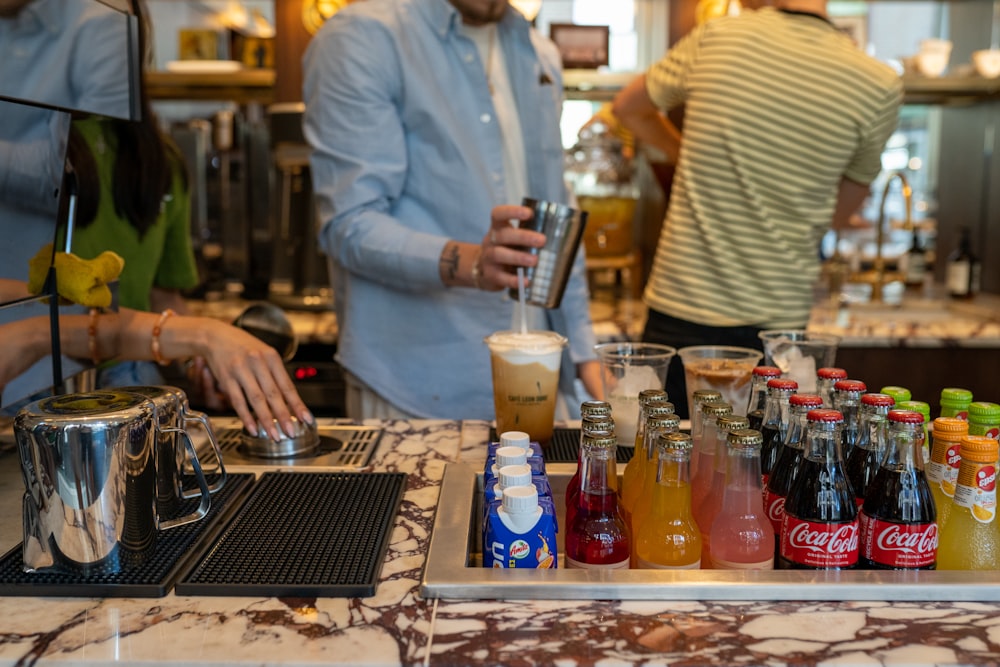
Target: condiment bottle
x=984 y=419
x=955 y=402
x=670 y=538
x=847 y=401
x=598 y=537
x=758 y=393
x=775 y=423
x=825 y=379
x=711 y=503
x=741 y=534
x=946 y=457
x=701 y=478
x=786 y=467
x=970 y=539
x=897 y=522
x=862 y=461
x=820 y=527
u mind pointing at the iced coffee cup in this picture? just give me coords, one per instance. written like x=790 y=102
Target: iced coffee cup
x=526 y=380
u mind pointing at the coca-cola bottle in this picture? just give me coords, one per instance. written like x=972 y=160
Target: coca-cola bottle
x=847 y=401
x=825 y=379
x=862 y=460
x=758 y=393
x=598 y=537
x=775 y=422
x=596 y=418
x=786 y=466
x=820 y=528
x=897 y=523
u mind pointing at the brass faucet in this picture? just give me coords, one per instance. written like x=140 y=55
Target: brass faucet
x=880 y=237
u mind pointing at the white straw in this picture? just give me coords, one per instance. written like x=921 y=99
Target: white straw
x=520 y=300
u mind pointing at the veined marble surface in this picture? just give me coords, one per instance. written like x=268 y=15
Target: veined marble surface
x=398 y=627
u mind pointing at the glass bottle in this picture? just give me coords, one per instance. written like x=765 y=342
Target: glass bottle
x=775 y=422
x=899 y=394
x=924 y=409
x=962 y=269
x=897 y=523
x=862 y=461
x=742 y=537
x=711 y=503
x=847 y=401
x=633 y=469
x=820 y=527
x=825 y=379
x=916 y=261
x=657 y=426
x=970 y=539
x=699 y=398
x=984 y=419
x=598 y=537
x=634 y=476
x=786 y=467
x=594 y=421
x=670 y=538
x=946 y=458
x=758 y=393
x=701 y=479
x=955 y=402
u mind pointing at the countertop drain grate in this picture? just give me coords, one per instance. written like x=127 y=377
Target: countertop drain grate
x=152 y=579
x=565 y=447
x=305 y=534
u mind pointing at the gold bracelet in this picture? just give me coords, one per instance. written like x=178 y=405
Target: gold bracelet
x=92 y=347
x=154 y=342
x=477 y=270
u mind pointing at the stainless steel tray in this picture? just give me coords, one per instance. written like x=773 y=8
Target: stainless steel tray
x=452 y=570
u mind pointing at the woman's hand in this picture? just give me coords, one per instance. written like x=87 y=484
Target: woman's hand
x=504 y=248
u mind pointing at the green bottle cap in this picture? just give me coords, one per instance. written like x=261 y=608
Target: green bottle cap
x=916 y=406
x=981 y=411
x=956 y=396
x=898 y=394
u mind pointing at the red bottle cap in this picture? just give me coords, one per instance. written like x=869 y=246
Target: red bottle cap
x=767 y=371
x=879 y=400
x=783 y=384
x=905 y=417
x=825 y=416
x=831 y=373
x=811 y=400
x=850 y=385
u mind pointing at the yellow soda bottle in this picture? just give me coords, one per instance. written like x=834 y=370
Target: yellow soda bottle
x=656 y=427
x=670 y=538
x=634 y=475
x=942 y=467
x=971 y=538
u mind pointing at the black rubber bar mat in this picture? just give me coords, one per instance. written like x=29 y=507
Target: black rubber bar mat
x=565 y=447
x=152 y=579
x=305 y=534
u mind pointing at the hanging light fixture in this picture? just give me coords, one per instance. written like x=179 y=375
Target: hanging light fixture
x=529 y=8
x=316 y=12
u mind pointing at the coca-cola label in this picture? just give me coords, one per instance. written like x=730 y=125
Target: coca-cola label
x=819 y=545
x=898 y=545
x=774 y=506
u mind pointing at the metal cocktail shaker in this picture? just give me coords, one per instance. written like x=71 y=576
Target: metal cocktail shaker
x=563 y=228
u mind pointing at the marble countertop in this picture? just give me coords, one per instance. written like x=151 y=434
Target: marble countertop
x=398 y=627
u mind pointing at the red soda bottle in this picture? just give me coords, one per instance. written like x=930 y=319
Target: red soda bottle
x=897 y=522
x=825 y=379
x=598 y=538
x=775 y=422
x=758 y=393
x=820 y=527
x=786 y=466
x=595 y=419
x=847 y=401
x=862 y=460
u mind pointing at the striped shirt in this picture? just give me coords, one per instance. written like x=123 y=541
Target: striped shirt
x=779 y=107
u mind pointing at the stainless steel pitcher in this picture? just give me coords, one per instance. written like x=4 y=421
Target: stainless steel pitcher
x=174 y=416
x=89 y=465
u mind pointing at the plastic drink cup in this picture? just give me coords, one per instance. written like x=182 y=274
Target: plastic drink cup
x=799 y=353
x=526 y=380
x=627 y=369
x=725 y=368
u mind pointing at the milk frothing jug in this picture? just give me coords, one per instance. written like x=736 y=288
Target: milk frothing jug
x=89 y=465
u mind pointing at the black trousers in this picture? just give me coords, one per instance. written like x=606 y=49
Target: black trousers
x=677 y=333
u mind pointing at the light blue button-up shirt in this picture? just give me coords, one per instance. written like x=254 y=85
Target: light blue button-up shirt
x=407 y=155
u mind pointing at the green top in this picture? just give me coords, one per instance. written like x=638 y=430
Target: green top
x=954 y=395
x=164 y=256
x=899 y=394
x=982 y=411
x=916 y=406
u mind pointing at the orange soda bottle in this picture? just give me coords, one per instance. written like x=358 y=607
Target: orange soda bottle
x=656 y=427
x=942 y=468
x=670 y=538
x=634 y=475
x=971 y=538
